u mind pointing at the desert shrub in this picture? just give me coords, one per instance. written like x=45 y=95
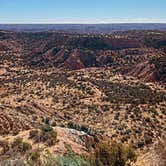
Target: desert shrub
x=78 y=127
x=49 y=137
x=17 y=143
x=46 y=134
x=53 y=124
x=4 y=131
x=20 y=146
x=17 y=146
x=106 y=154
x=46 y=128
x=84 y=128
x=71 y=160
x=33 y=134
x=49 y=159
x=34 y=156
x=130 y=153
x=4 y=146
x=147 y=119
x=147 y=139
x=73 y=126
x=140 y=144
x=15 y=132
x=10 y=162
x=47 y=120
x=26 y=146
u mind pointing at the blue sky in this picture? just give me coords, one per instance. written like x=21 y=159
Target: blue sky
x=82 y=11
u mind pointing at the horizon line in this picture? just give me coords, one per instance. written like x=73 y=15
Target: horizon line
x=76 y=23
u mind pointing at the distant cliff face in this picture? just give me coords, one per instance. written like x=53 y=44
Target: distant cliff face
x=136 y=53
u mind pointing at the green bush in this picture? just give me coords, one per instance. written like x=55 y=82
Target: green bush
x=71 y=160
x=106 y=154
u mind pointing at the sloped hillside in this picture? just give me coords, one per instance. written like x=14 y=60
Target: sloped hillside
x=62 y=91
x=153 y=70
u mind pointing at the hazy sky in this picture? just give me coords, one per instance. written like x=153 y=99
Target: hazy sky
x=82 y=11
